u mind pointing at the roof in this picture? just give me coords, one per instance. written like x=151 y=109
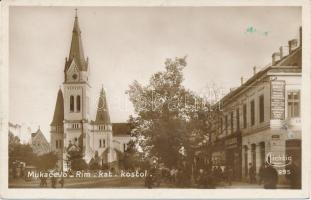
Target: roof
x=76 y=53
x=58 y=116
x=38 y=133
x=102 y=114
x=292 y=60
x=119 y=129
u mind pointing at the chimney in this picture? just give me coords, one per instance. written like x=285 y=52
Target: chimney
x=274 y=55
x=292 y=44
x=289 y=47
x=300 y=36
x=254 y=70
x=281 y=52
x=241 y=80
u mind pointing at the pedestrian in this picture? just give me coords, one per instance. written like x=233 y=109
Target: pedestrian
x=210 y=182
x=53 y=182
x=219 y=173
x=148 y=180
x=45 y=183
x=201 y=179
x=252 y=173
x=62 y=182
x=41 y=182
x=228 y=174
x=293 y=175
x=270 y=177
x=260 y=174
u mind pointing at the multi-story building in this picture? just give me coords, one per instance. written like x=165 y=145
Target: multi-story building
x=260 y=120
x=72 y=127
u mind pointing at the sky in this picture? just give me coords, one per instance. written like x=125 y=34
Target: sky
x=131 y=43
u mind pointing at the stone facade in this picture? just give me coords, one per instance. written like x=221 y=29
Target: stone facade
x=261 y=118
x=72 y=127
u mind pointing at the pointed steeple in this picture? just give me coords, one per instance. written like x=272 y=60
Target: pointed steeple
x=58 y=117
x=76 y=49
x=102 y=115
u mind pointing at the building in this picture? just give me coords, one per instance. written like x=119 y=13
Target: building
x=22 y=131
x=38 y=143
x=260 y=121
x=72 y=127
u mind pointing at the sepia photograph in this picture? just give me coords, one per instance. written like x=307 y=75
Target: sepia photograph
x=155 y=97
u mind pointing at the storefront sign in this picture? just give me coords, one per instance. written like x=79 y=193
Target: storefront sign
x=275 y=136
x=278 y=100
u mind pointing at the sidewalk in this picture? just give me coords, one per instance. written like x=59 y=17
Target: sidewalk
x=242 y=185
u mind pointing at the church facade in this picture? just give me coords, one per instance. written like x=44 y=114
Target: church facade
x=72 y=127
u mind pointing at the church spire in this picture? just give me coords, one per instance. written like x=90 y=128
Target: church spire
x=102 y=115
x=76 y=49
x=58 y=117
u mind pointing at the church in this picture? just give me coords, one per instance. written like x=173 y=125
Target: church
x=72 y=127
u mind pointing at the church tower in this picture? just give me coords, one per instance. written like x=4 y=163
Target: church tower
x=76 y=94
x=102 y=131
x=57 y=129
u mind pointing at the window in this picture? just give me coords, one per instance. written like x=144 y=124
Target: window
x=60 y=144
x=72 y=104
x=252 y=112
x=293 y=104
x=75 y=126
x=237 y=119
x=56 y=144
x=76 y=139
x=261 y=109
x=100 y=143
x=231 y=122
x=244 y=116
x=226 y=124
x=78 y=103
x=104 y=143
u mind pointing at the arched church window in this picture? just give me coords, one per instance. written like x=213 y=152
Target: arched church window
x=72 y=104
x=104 y=143
x=78 y=103
x=100 y=143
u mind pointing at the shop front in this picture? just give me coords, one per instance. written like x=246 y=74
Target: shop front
x=218 y=153
x=233 y=154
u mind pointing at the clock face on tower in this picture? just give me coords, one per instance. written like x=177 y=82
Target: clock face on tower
x=74 y=76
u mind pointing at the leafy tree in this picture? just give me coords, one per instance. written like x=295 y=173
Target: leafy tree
x=46 y=161
x=76 y=160
x=94 y=163
x=164 y=108
x=24 y=153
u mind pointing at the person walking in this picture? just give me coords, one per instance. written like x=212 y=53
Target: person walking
x=61 y=182
x=270 y=177
x=260 y=174
x=252 y=173
x=228 y=174
x=293 y=175
x=53 y=182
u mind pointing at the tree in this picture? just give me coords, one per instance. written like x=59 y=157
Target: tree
x=46 y=161
x=20 y=152
x=24 y=153
x=76 y=161
x=164 y=108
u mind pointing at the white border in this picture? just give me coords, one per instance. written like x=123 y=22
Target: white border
x=154 y=193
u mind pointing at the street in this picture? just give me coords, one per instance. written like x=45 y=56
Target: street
x=117 y=182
